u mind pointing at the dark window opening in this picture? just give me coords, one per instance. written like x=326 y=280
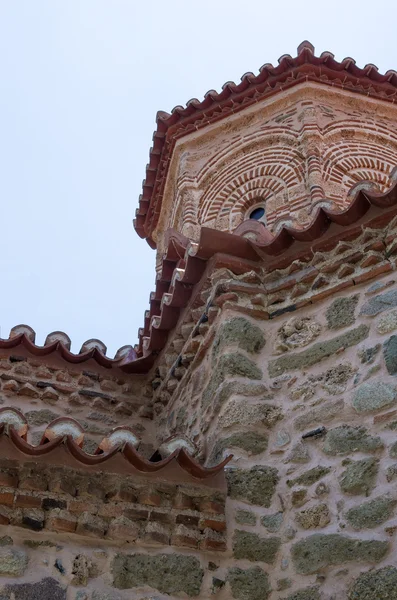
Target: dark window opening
x=257 y=213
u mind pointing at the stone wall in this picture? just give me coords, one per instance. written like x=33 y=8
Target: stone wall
x=76 y=534
x=302 y=392
x=73 y=529
x=307 y=403
x=99 y=399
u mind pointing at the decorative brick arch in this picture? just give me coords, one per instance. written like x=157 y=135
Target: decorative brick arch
x=356 y=152
x=268 y=172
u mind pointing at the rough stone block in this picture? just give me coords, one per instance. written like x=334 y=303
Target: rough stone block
x=13 y=562
x=341 y=312
x=245 y=517
x=296 y=333
x=252 y=584
x=272 y=522
x=374 y=395
x=346 y=439
x=46 y=589
x=372 y=513
x=387 y=322
x=41 y=417
x=309 y=477
x=319 y=414
x=90 y=525
x=368 y=355
x=240 y=412
x=390 y=354
x=309 y=593
x=298 y=454
x=379 y=585
x=317 y=352
x=360 y=476
x=168 y=573
x=321 y=550
x=239 y=332
x=255 y=548
x=316 y=516
x=378 y=304
x=83 y=569
x=122 y=528
x=255 y=486
x=238 y=365
x=251 y=442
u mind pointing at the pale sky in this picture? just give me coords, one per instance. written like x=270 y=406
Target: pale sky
x=80 y=84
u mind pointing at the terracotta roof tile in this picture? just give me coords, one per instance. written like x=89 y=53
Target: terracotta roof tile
x=234 y=97
x=177 y=289
x=185 y=262
x=67 y=432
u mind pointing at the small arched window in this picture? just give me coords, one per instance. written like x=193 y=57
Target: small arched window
x=257 y=213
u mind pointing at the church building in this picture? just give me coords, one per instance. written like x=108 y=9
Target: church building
x=246 y=447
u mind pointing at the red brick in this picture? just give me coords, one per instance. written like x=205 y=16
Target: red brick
x=385 y=416
x=150 y=499
x=123 y=529
x=213 y=545
x=8 y=479
x=4 y=520
x=213 y=524
x=122 y=495
x=182 y=502
x=246 y=310
x=111 y=510
x=36 y=483
x=184 y=541
x=370 y=260
x=161 y=517
x=333 y=289
x=27 y=501
x=345 y=271
x=63 y=376
x=7 y=498
x=156 y=534
x=209 y=506
x=137 y=514
x=80 y=506
x=373 y=272
x=61 y=521
x=63 y=485
x=228 y=296
x=91 y=525
x=188 y=520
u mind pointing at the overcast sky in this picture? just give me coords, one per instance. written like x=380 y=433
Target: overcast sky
x=80 y=84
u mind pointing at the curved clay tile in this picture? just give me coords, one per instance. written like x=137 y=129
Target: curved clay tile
x=250 y=242
x=127 y=450
x=58 y=336
x=185 y=264
x=93 y=344
x=177 y=442
x=13 y=417
x=64 y=427
x=59 y=343
x=287 y=73
x=118 y=437
x=23 y=330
